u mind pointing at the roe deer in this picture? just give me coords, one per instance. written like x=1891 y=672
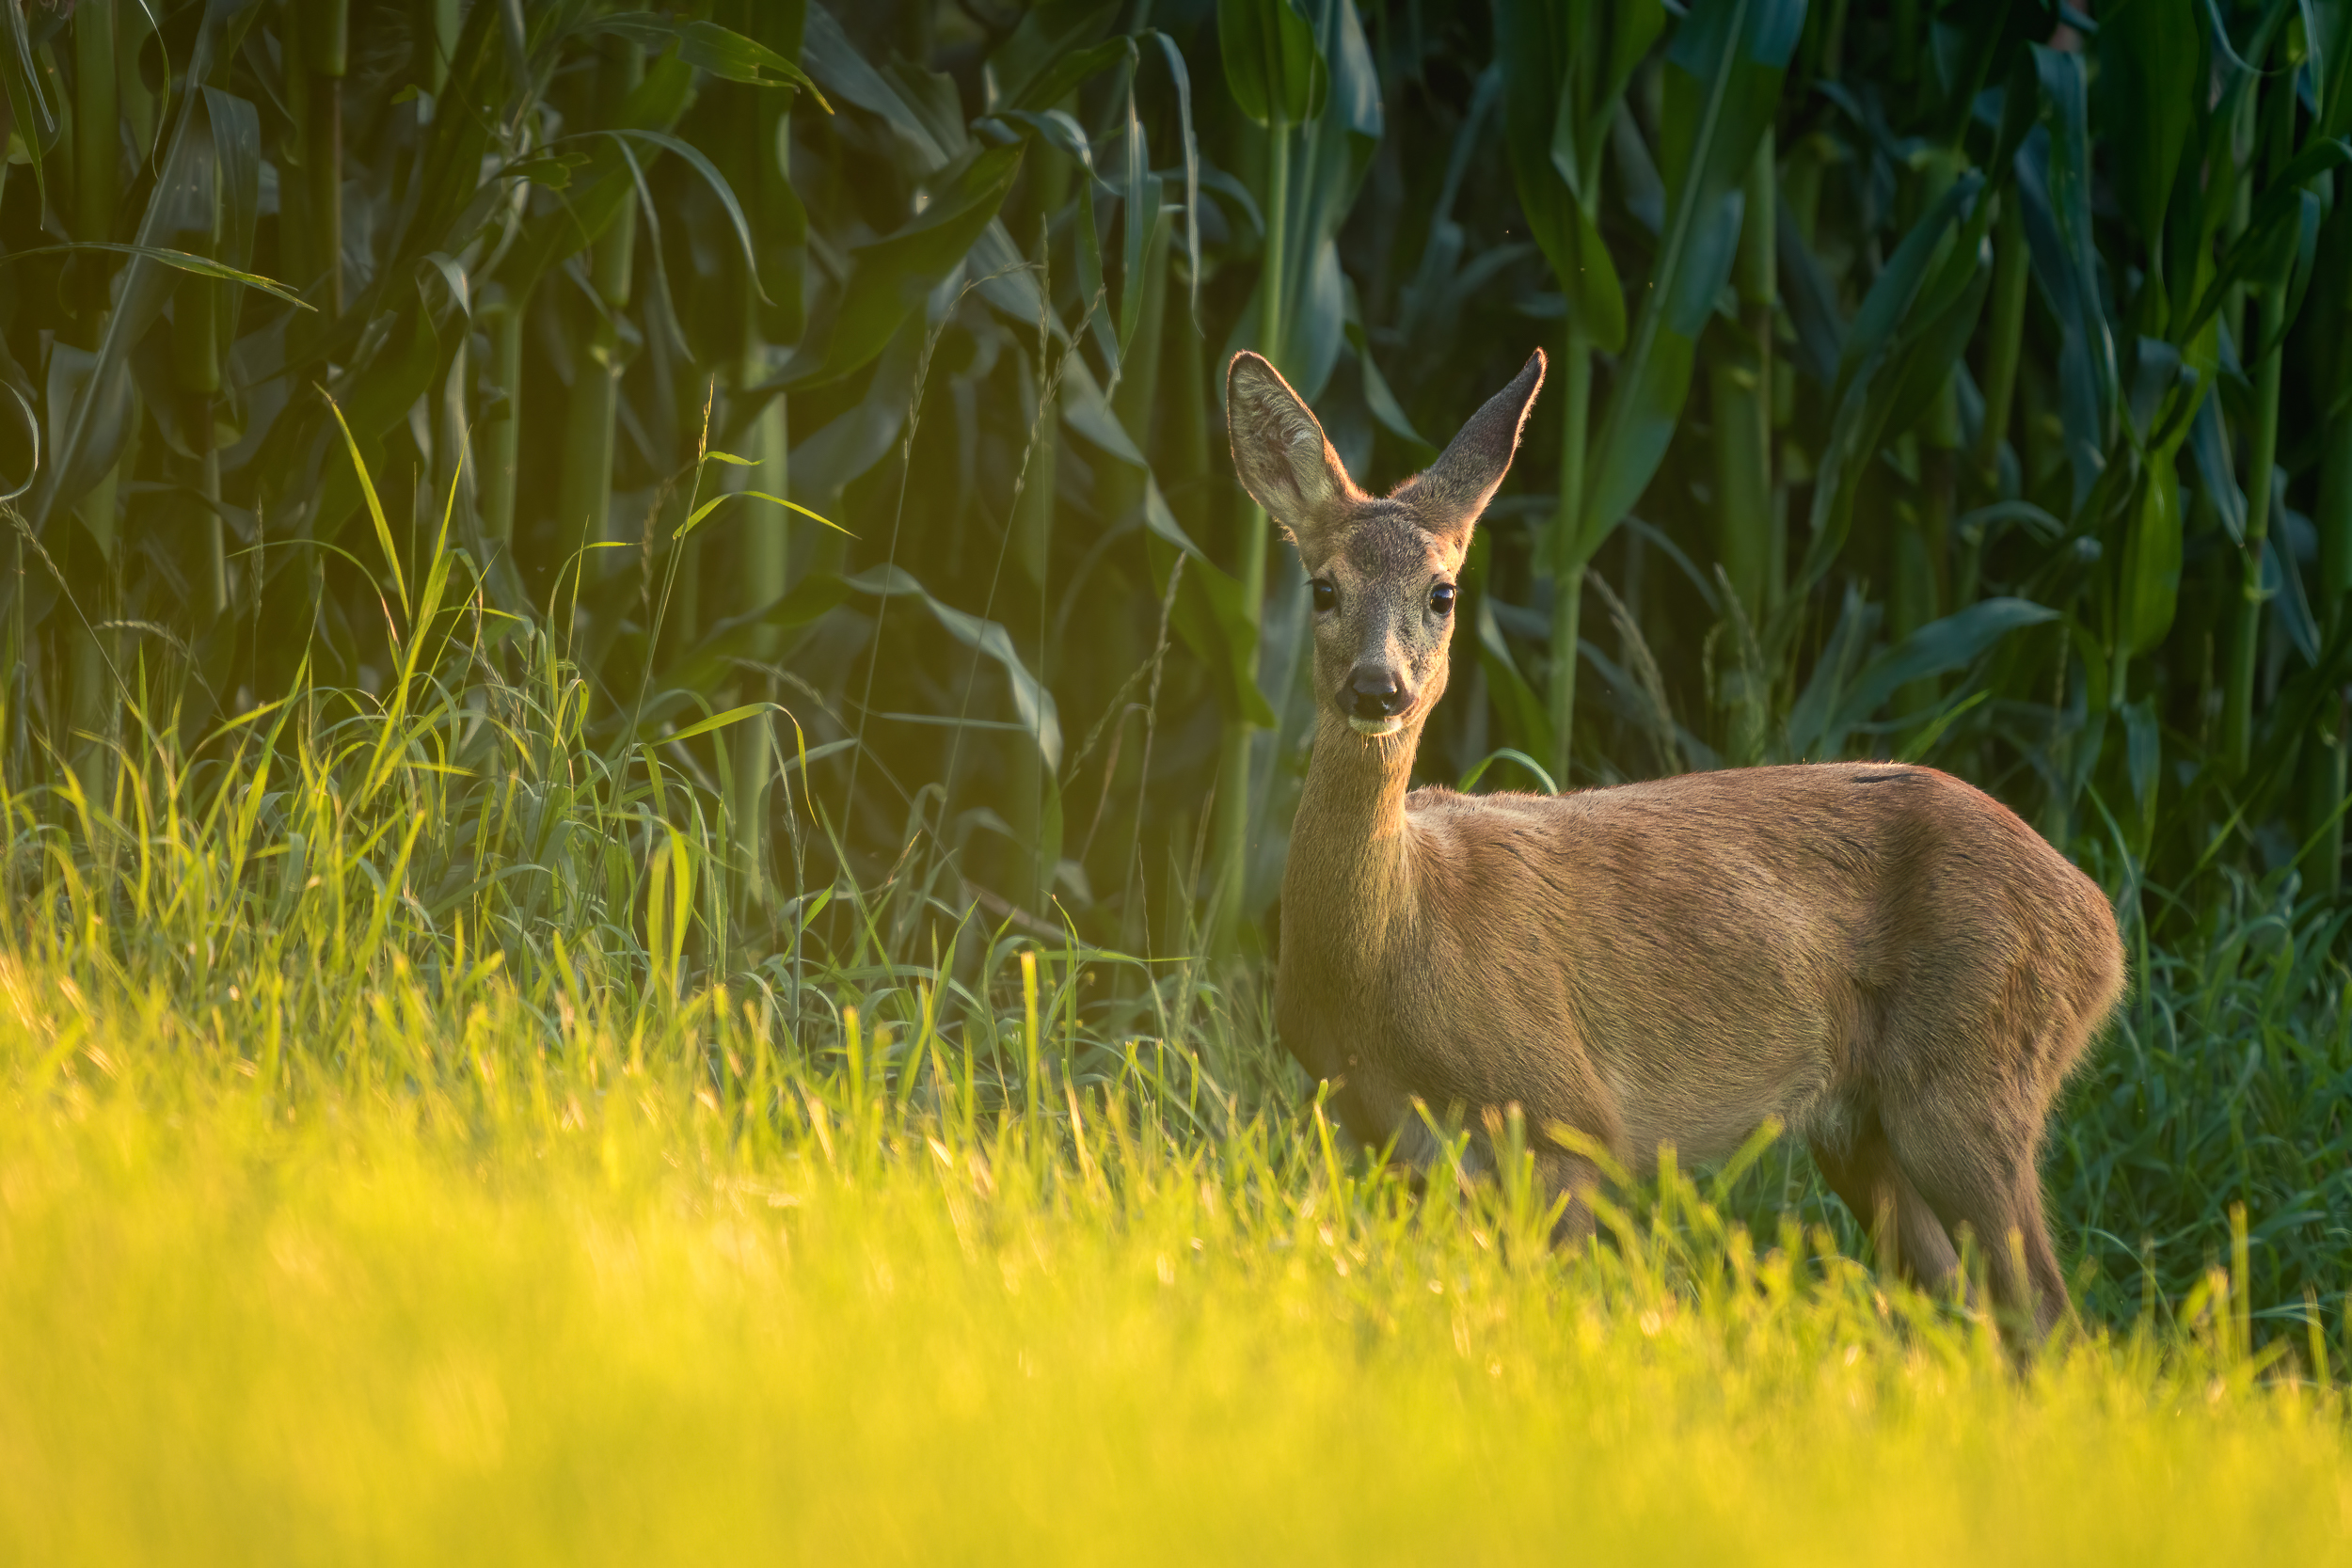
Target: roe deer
x=1882 y=957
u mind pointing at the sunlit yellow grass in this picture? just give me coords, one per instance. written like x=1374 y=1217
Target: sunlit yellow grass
x=585 y=1310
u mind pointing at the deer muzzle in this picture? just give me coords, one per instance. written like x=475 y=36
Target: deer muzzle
x=1373 y=700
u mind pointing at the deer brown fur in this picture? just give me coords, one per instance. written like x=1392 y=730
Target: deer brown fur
x=1882 y=957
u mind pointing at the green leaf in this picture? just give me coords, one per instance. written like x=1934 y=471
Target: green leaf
x=1066 y=74
x=711 y=177
x=550 y=171
x=1723 y=82
x=1139 y=193
x=834 y=60
x=1377 y=395
x=1902 y=281
x=31 y=106
x=2152 y=558
x=1507 y=754
x=719 y=721
x=1811 y=303
x=1328 y=161
x=394 y=377
x=28 y=105
x=1911 y=329
x=1923 y=363
x=711 y=506
x=203 y=266
x=2282 y=586
x=2054 y=179
x=2328 y=34
x=1210 y=615
x=91 y=433
x=1032 y=704
x=889 y=276
x=1937 y=648
x=1525 y=717
x=1922 y=743
x=1564 y=70
x=375 y=507
x=592 y=202
x=1092 y=288
x=1182 y=79
x=1056 y=128
x=709 y=662
x=1053 y=50
x=707 y=46
x=2209 y=445
x=1272 y=67
x=2280 y=232
x=2150 y=64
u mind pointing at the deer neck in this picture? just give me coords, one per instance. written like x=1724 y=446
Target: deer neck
x=1348 y=895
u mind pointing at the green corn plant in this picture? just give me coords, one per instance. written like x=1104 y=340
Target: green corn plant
x=1721 y=76
x=1328 y=155
x=96 y=184
x=1564 y=78
x=2265 y=334
x=1278 y=74
x=1740 y=384
x=762 y=575
x=319 y=40
x=2005 y=331
x=585 y=503
x=2327 y=780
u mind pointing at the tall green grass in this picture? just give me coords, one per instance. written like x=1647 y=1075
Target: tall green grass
x=461 y=830
x=333 y=864
x=408 y=1151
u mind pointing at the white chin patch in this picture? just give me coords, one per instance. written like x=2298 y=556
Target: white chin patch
x=1374 y=726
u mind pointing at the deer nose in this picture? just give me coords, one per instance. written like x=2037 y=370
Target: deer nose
x=1374 y=693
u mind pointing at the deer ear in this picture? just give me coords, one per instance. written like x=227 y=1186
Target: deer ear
x=1280 y=450
x=1454 y=489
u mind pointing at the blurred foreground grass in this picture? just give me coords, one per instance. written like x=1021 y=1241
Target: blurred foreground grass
x=450 y=1292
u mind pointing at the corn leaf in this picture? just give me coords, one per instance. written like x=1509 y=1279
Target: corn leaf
x=1723 y=78
x=1277 y=74
x=707 y=46
x=890 y=276
x=1032 y=704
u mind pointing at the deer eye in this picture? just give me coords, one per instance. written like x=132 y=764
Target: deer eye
x=1326 y=595
x=1442 y=599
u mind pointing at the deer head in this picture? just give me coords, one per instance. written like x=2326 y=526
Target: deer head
x=1383 y=567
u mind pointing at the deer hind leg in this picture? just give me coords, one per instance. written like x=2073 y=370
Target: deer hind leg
x=1973 y=1164
x=1575 y=1178
x=1910 y=1239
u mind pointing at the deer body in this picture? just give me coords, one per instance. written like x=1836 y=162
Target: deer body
x=1881 y=957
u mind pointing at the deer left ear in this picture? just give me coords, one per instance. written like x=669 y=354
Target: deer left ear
x=1280 y=450
x=1452 y=493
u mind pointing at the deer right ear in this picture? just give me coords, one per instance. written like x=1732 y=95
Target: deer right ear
x=1280 y=450
x=1457 y=486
